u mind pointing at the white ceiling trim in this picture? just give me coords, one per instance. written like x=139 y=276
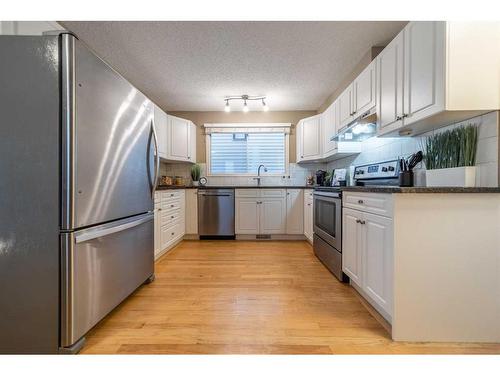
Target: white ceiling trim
x=273 y=127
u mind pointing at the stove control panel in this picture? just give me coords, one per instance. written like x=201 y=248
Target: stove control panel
x=387 y=169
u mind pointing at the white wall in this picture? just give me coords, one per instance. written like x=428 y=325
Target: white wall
x=28 y=27
x=380 y=149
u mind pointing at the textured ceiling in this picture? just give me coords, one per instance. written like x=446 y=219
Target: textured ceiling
x=192 y=66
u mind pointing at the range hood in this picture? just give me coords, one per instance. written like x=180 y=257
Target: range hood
x=363 y=127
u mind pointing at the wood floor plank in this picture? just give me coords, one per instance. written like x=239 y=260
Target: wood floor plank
x=249 y=297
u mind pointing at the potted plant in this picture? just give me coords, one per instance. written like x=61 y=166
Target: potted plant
x=450 y=157
x=195 y=174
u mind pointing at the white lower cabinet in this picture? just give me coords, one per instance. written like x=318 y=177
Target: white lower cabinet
x=378 y=259
x=351 y=247
x=367 y=255
x=269 y=211
x=272 y=215
x=169 y=219
x=308 y=214
x=294 y=211
x=191 y=211
x=247 y=215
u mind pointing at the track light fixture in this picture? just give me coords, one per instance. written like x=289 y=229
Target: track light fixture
x=245 y=98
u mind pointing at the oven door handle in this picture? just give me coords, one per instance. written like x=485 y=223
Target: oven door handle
x=327 y=195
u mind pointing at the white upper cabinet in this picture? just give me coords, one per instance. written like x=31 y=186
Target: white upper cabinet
x=329 y=129
x=192 y=142
x=345 y=107
x=424 y=53
x=435 y=73
x=358 y=97
x=178 y=138
x=160 y=124
x=309 y=139
x=364 y=90
x=390 y=85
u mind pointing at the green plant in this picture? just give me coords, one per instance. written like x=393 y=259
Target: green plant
x=195 y=172
x=452 y=148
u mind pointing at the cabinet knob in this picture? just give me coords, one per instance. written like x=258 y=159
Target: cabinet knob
x=362 y=222
x=405 y=115
x=360 y=201
x=398 y=118
x=173 y=233
x=171 y=205
x=171 y=217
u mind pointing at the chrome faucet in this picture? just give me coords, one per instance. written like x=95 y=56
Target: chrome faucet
x=258 y=174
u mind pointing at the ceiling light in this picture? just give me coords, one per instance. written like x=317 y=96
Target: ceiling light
x=246 y=108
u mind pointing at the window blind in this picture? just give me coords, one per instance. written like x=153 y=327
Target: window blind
x=242 y=153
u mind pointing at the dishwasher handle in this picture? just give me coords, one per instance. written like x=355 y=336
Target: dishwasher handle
x=216 y=195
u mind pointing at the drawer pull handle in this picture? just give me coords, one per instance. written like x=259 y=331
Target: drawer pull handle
x=360 y=201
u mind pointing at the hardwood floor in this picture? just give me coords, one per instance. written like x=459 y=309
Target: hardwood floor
x=248 y=297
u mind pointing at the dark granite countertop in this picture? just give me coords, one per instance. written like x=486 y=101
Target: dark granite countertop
x=163 y=187
x=421 y=189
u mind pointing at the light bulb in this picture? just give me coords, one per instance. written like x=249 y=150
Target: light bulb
x=245 y=107
x=227 y=108
x=265 y=108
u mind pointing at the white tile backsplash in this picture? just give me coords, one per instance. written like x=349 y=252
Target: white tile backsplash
x=297 y=175
x=379 y=149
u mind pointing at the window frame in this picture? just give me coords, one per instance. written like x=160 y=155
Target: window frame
x=239 y=128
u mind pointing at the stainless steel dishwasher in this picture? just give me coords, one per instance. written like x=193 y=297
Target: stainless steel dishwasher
x=216 y=213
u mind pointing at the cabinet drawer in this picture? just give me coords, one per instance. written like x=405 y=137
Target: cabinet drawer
x=250 y=193
x=171 y=204
x=172 y=194
x=272 y=193
x=379 y=204
x=170 y=233
x=170 y=216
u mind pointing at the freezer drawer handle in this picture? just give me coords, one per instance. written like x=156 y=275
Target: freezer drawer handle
x=96 y=233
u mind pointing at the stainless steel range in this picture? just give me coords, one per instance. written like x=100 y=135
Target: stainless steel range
x=327 y=240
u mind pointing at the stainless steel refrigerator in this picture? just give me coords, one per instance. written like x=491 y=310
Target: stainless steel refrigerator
x=78 y=172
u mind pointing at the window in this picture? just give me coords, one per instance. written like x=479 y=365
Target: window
x=241 y=153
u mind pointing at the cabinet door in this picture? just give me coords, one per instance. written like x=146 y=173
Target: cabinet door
x=299 y=140
x=364 y=90
x=272 y=216
x=352 y=242
x=178 y=140
x=191 y=211
x=192 y=143
x=294 y=211
x=308 y=214
x=329 y=129
x=390 y=86
x=247 y=216
x=345 y=107
x=424 y=50
x=160 y=124
x=378 y=260
x=311 y=136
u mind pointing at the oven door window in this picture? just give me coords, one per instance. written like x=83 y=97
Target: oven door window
x=325 y=218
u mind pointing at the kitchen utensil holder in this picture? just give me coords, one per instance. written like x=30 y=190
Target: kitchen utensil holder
x=406 y=178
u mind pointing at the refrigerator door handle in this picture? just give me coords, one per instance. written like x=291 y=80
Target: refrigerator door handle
x=157 y=160
x=106 y=229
